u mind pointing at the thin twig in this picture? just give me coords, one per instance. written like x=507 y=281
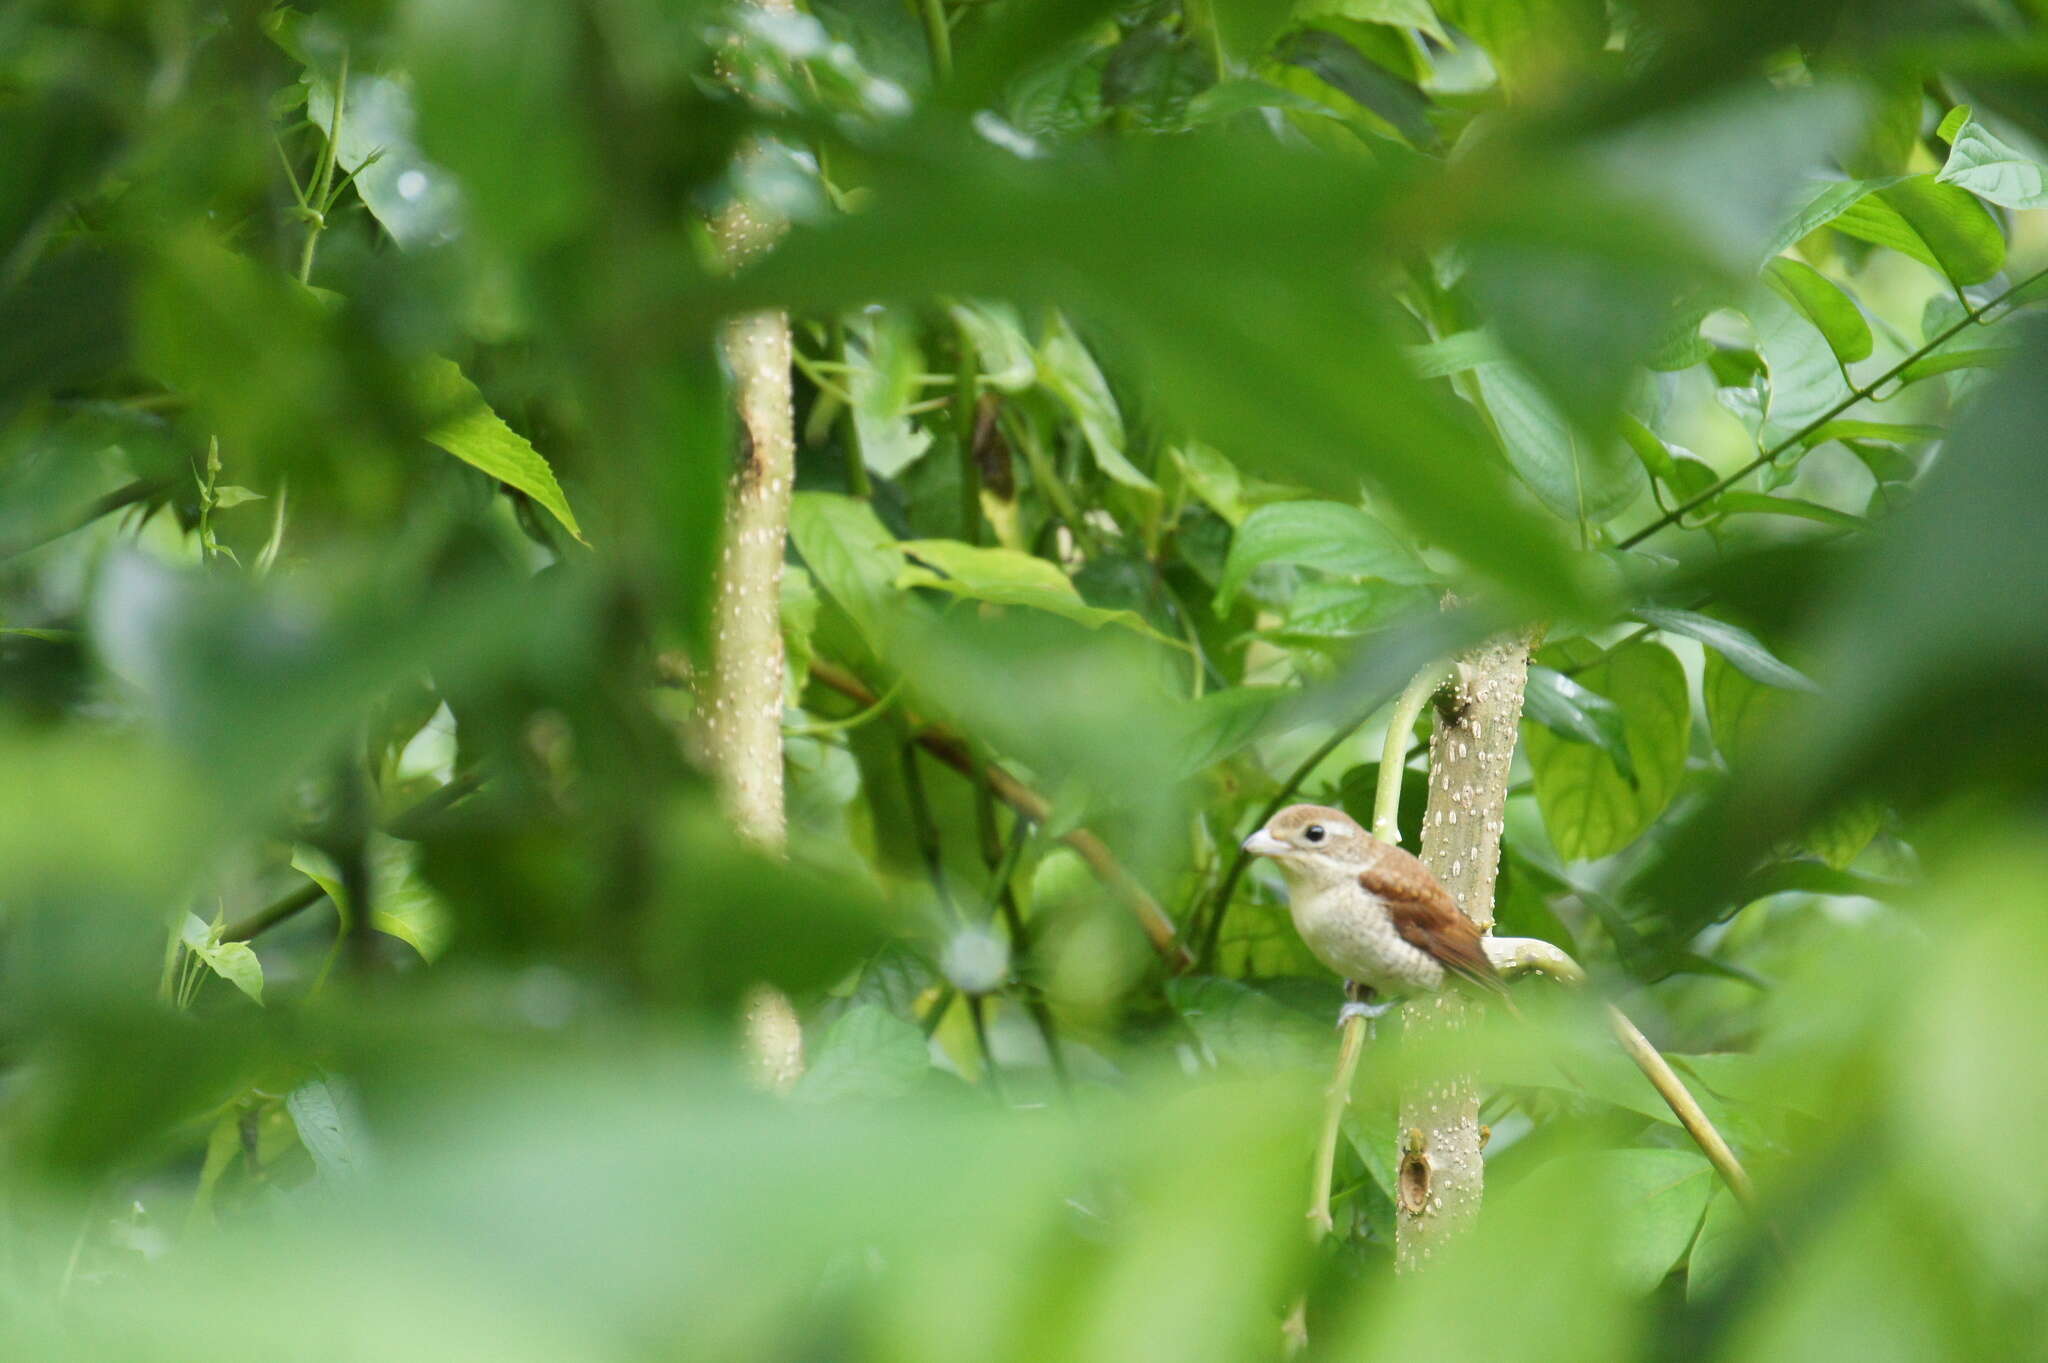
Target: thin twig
x=410 y=824
x=1683 y=1105
x=949 y=749
x=1856 y=395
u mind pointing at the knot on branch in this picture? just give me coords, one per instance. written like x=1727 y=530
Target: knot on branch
x=1412 y=1181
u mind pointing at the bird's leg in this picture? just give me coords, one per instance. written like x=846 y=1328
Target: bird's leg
x=1358 y=1003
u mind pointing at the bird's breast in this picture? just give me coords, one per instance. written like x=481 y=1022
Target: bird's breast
x=1350 y=931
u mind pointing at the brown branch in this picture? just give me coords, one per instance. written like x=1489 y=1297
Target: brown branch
x=951 y=750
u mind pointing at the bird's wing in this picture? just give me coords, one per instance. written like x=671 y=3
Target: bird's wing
x=1427 y=917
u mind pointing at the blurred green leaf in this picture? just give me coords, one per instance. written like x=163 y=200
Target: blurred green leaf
x=1328 y=536
x=1006 y=577
x=867 y=1053
x=403 y=904
x=1247 y=1029
x=1069 y=372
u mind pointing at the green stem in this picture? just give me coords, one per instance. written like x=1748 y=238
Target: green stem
x=939 y=37
x=964 y=363
x=1856 y=395
x=324 y=181
x=1386 y=804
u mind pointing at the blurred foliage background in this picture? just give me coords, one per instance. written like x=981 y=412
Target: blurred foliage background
x=374 y=946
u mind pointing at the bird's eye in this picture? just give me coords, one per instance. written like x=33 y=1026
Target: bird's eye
x=1314 y=832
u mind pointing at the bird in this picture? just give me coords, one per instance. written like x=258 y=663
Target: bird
x=1370 y=911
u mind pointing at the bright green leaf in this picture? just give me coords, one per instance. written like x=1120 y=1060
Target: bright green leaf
x=1824 y=304
x=465 y=426
x=1936 y=224
x=1069 y=372
x=1006 y=577
x=1990 y=168
x=1590 y=808
x=234 y=962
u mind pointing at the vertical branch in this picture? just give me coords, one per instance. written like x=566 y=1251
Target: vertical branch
x=1441 y=1175
x=742 y=698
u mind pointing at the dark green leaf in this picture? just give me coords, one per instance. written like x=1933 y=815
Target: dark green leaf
x=1737 y=645
x=1763 y=504
x=1570 y=710
x=1936 y=224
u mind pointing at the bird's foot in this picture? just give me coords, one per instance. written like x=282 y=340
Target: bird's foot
x=1368 y=1011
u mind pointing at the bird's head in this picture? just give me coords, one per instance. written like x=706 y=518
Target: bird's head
x=1314 y=844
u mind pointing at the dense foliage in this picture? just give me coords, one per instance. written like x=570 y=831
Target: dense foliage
x=1175 y=381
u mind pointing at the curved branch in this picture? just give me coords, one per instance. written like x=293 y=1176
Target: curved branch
x=952 y=751
x=1970 y=318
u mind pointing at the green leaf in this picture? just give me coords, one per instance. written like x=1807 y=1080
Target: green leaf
x=1806 y=380
x=1990 y=168
x=1839 y=836
x=466 y=427
x=1820 y=205
x=1007 y=577
x=1571 y=711
x=1328 y=536
x=1945 y=361
x=1573 y=476
x=1454 y=354
x=1763 y=504
x=1395 y=13
x=1590 y=808
x=1737 y=645
x=1727 y=1233
x=225 y=497
x=328 y=1126
x=867 y=1054
x=1247 y=1029
x=1660 y=1197
x=1344 y=68
x=882 y=348
x=234 y=962
x=1002 y=351
x=413 y=199
x=1824 y=304
x=1936 y=224
x=1744 y=715
x=1069 y=372
x=406 y=907
x=852 y=556
x=1900 y=431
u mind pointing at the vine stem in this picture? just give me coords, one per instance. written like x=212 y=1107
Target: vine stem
x=323 y=181
x=1970 y=318
x=1386 y=825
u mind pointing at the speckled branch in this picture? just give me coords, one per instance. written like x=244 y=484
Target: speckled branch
x=742 y=696
x=1479 y=713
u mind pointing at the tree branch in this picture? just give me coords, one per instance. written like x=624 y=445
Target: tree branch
x=1856 y=395
x=949 y=749
x=1441 y=1177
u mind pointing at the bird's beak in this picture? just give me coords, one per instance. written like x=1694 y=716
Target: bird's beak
x=1264 y=844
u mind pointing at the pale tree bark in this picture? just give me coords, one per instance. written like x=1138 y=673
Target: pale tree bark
x=741 y=699
x=1441 y=1174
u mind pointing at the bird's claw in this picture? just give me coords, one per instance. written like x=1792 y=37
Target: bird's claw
x=1368 y=1011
